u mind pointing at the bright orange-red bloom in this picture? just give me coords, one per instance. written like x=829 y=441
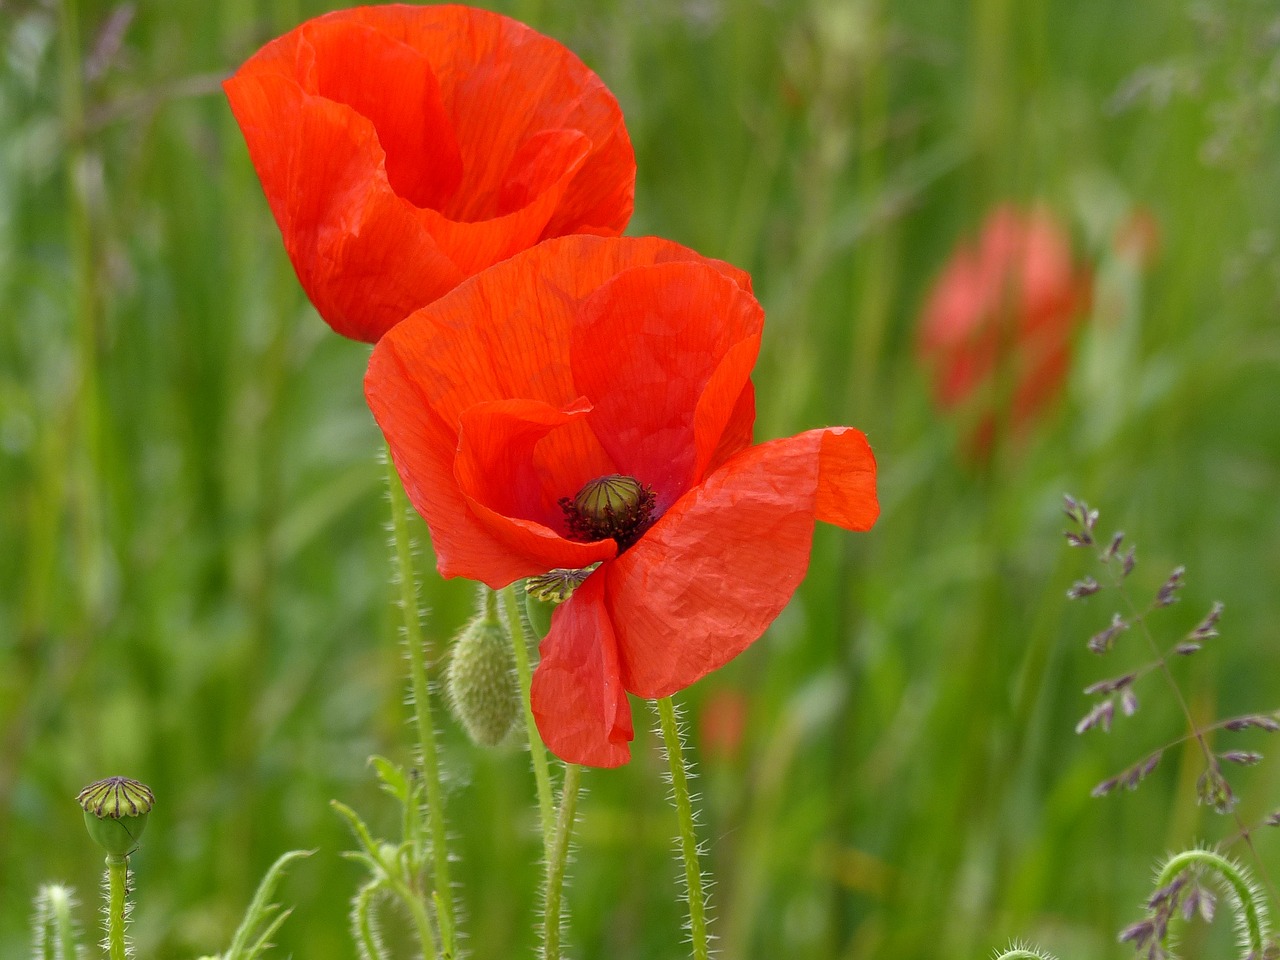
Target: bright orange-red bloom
x=627 y=359
x=1007 y=306
x=405 y=148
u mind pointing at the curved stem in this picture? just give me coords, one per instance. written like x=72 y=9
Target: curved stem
x=688 y=836
x=117 y=906
x=520 y=637
x=557 y=859
x=417 y=657
x=1233 y=876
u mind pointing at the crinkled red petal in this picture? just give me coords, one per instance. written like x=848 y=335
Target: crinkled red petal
x=707 y=580
x=578 y=699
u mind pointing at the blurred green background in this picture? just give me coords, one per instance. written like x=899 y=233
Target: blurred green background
x=194 y=583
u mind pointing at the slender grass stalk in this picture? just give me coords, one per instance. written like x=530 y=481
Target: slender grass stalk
x=688 y=836
x=557 y=860
x=521 y=633
x=117 y=882
x=421 y=694
x=84 y=287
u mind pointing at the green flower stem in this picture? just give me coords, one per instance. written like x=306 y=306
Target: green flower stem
x=1231 y=874
x=56 y=931
x=117 y=904
x=422 y=705
x=688 y=836
x=520 y=637
x=557 y=858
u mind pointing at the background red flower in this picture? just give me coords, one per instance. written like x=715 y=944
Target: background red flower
x=1006 y=306
x=405 y=148
x=583 y=358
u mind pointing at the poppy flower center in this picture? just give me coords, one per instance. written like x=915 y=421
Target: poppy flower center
x=615 y=506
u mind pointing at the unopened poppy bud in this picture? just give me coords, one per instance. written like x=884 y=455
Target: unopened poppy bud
x=115 y=813
x=480 y=681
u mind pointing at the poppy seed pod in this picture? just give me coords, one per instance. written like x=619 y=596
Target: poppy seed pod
x=480 y=681
x=115 y=813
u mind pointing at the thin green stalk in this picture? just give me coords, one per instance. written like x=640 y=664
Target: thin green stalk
x=422 y=705
x=520 y=637
x=117 y=906
x=557 y=859
x=55 y=929
x=688 y=836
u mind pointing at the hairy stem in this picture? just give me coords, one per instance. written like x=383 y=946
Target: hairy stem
x=1232 y=876
x=521 y=635
x=417 y=658
x=55 y=930
x=688 y=836
x=557 y=859
x=117 y=906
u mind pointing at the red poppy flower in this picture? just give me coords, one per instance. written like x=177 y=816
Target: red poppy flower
x=588 y=402
x=404 y=148
x=1007 y=306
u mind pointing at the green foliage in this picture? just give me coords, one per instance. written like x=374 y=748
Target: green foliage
x=397 y=872
x=263 y=919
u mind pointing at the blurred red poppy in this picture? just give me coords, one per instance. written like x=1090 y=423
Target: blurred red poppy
x=588 y=402
x=404 y=148
x=722 y=722
x=1006 y=307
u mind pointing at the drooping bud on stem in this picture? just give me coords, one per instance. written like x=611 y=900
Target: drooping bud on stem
x=480 y=680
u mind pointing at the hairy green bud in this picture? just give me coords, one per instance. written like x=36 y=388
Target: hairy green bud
x=480 y=681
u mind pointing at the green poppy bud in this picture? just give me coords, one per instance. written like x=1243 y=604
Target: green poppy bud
x=480 y=681
x=115 y=813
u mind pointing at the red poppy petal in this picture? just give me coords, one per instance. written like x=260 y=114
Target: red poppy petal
x=645 y=347
x=496 y=471
x=738 y=431
x=846 y=495
x=577 y=696
x=506 y=333
x=501 y=335
x=538 y=166
x=423 y=163
x=501 y=83
x=422 y=448
x=707 y=580
x=726 y=412
x=363 y=254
